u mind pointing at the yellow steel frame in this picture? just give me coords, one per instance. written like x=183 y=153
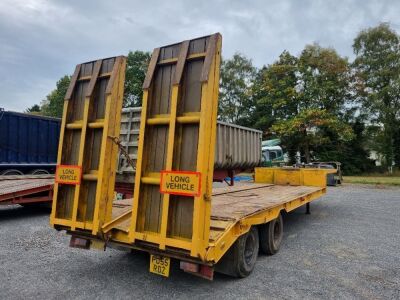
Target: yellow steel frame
x=219 y=247
x=199 y=246
x=293 y=176
x=216 y=249
x=110 y=125
x=206 y=148
x=230 y=235
x=109 y=150
x=53 y=219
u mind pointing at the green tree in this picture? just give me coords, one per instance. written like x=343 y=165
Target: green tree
x=324 y=95
x=53 y=104
x=309 y=128
x=274 y=91
x=136 y=69
x=302 y=99
x=377 y=67
x=324 y=79
x=33 y=109
x=275 y=96
x=352 y=153
x=235 y=101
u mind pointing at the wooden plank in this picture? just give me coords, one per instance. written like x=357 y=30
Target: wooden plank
x=171 y=133
x=212 y=44
x=181 y=62
x=72 y=84
x=85 y=118
x=173 y=90
x=93 y=78
x=95 y=106
x=238 y=187
x=151 y=68
x=114 y=75
x=10 y=189
x=240 y=204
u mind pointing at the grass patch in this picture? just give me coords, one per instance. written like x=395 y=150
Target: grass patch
x=387 y=180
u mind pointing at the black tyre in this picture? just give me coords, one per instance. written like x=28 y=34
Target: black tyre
x=39 y=172
x=271 y=236
x=10 y=172
x=241 y=258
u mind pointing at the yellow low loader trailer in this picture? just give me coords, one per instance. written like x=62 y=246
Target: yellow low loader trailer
x=175 y=212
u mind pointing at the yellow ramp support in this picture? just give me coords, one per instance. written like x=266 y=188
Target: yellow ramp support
x=177 y=133
x=91 y=117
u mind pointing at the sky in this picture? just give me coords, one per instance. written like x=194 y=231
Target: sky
x=40 y=40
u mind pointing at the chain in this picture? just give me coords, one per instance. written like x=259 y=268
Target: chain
x=117 y=141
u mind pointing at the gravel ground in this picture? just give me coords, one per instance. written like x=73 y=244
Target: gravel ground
x=347 y=248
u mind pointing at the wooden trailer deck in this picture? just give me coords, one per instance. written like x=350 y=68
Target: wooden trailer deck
x=234 y=204
x=14 y=190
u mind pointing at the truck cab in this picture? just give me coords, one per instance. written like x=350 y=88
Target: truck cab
x=272 y=155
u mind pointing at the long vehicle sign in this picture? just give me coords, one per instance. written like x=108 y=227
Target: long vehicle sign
x=180 y=183
x=68 y=174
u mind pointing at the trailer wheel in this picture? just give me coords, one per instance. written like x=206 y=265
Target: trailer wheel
x=241 y=258
x=246 y=251
x=12 y=172
x=271 y=235
x=39 y=172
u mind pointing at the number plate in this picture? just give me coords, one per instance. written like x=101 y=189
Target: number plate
x=160 y=265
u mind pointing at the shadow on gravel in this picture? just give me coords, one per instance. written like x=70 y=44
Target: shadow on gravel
x=16 y=212
x=295 y=218
x=134 y=267
x=131 y=265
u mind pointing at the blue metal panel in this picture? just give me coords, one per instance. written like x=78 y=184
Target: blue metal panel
x=28 y=139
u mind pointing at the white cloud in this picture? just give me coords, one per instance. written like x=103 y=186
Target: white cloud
x=41 y=40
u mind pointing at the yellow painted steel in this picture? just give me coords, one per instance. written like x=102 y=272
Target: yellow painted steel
x=232 y=230
x=199 y=247
x=109 y=150
x=216 y=249
x=292 y=176
x=230 y=235
x=82 y=143
x=77 y=224
x=105 y=175
x=60 y=146
x=188 y=119
x=151 y=180
x=75 y=125
x=138 y=179
x=206 y=148
x=168 y=164
x=205 y=157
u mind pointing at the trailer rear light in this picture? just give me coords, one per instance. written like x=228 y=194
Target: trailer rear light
x=80 y=243
x=207 y=272
x=198 y=270
x=189 y=267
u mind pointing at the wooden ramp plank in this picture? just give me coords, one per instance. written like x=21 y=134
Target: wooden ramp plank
x=91 y=118
x=178 y=124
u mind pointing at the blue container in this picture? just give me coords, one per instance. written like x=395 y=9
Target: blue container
x=28 y=142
